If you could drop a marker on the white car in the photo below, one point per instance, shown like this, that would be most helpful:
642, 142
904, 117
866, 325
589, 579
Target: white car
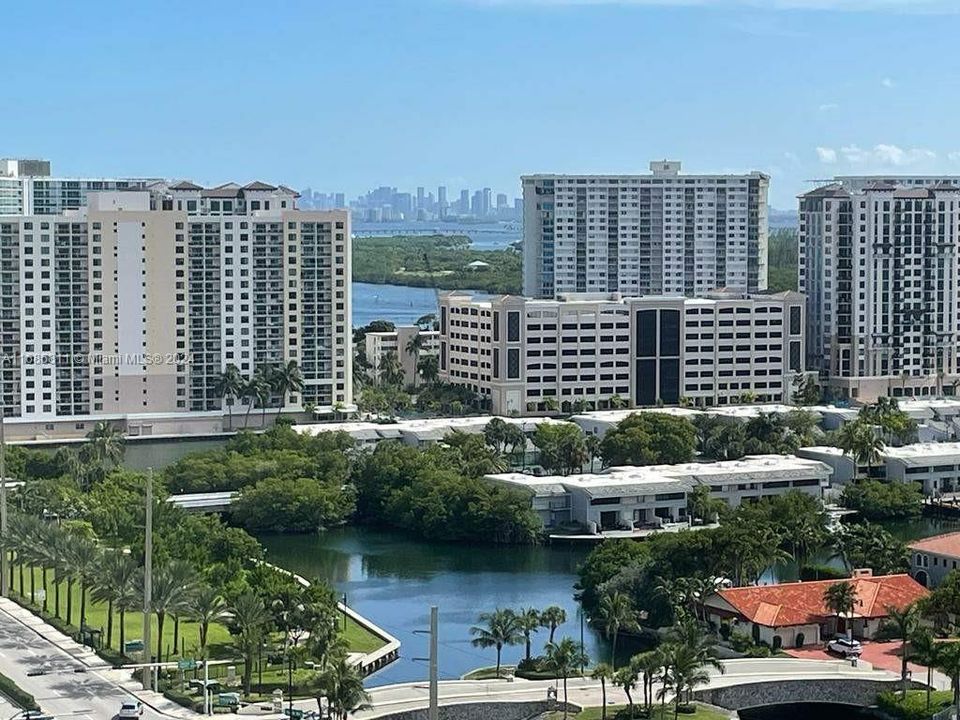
130, 710
845, 646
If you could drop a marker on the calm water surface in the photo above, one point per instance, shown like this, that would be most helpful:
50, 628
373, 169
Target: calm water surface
398, 304
394, 580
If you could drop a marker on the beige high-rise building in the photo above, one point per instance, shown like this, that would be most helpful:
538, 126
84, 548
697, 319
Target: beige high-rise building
131, 306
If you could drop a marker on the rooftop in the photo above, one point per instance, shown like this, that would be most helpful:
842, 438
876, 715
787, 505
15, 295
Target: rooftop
946, 544
801, 603
924, 453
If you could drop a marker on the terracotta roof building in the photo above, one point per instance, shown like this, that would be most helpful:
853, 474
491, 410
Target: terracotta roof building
933, 558
794, 614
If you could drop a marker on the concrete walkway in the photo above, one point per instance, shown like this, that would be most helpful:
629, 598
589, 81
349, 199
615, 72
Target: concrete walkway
586, 692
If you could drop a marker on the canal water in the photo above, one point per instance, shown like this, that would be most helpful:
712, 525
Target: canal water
394, 580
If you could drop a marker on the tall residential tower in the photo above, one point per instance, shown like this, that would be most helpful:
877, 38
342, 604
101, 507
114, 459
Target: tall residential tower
658, 234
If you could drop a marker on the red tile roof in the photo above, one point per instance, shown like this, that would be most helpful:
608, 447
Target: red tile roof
946, 544
801, 603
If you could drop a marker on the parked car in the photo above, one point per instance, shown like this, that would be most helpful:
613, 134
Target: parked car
847, 647
130, 710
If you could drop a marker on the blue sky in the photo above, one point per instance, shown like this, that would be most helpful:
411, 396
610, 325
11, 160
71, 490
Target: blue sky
344, 95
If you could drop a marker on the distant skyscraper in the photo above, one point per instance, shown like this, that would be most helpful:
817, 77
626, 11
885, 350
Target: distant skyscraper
340, 200
657, 234
421, 198
476, 204
486, 206
464, 208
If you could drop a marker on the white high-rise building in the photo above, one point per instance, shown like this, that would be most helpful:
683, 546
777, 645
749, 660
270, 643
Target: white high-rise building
134, 304
878, 265
658, 234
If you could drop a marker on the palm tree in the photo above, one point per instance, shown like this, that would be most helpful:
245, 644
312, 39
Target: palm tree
685, 671
616, 613
249, 622
228, 387
205, 605
840, 598
564, 658
256, 389
592, 443
47, 548
551, 405
924, 650
286, 379
947, 659
115, 584
647, 665
390, 369
172, 585
553, 617
528, 620
603, 672
859, 440
106, 444
617, 402
84, 560
626, 678
342, 685
904, 622
429, 368
500, 628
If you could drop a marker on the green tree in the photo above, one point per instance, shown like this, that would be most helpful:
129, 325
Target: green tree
553, 617
528, 620
603, 672
859, 440
428, 368
947, 659
342, 685
565, 658
84, 560
649, 438
228, 388
498, 629
106, 444
171, 589
115, 583
205, 606
292, 505
626, 678
390, 369
562, 447
249, 623
867, 545
903, 623
617, 614
255, 390
685, 670
284, 380
878, 500
924, 651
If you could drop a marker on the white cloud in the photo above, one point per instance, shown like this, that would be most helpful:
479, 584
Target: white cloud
827, 107
827, 155
888, 82
881, 155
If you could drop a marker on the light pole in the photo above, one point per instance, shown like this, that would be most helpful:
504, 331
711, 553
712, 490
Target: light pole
148, 580
434, 689
580, 613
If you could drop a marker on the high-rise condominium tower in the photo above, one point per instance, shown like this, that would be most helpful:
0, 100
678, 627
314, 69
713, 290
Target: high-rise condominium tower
138, 300
658, 234
878, 265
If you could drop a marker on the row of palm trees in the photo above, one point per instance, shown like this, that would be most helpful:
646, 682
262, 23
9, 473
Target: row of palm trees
267, 382
69, 561
504, 627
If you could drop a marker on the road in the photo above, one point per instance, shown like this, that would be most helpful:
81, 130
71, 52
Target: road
587, 692
92, 695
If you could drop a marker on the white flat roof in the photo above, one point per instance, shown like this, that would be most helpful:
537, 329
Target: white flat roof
422, 428
920, 454
823, 450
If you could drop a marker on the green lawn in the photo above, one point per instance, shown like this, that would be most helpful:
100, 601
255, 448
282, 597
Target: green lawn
219, 640
622, 712
915, 705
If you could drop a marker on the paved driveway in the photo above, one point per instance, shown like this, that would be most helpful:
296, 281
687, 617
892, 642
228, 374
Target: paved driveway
882, 655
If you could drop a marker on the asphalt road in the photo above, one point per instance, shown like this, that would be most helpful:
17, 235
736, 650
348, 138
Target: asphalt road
91, 695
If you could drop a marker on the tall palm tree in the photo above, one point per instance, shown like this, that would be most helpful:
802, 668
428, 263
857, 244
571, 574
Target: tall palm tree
286, 379
840, 598
528, 620
172, 585
904, 623
106, 444
342, 685
603, 672
685, 671
253, 391
924, 650
500, 628
390, 369
647, 665
205, 605
249, 622
115, 584
592, 443
84, 558
948, 660
429, 368
564, 658
616, 614
552, 618
47, 549
859, 440
228, 387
